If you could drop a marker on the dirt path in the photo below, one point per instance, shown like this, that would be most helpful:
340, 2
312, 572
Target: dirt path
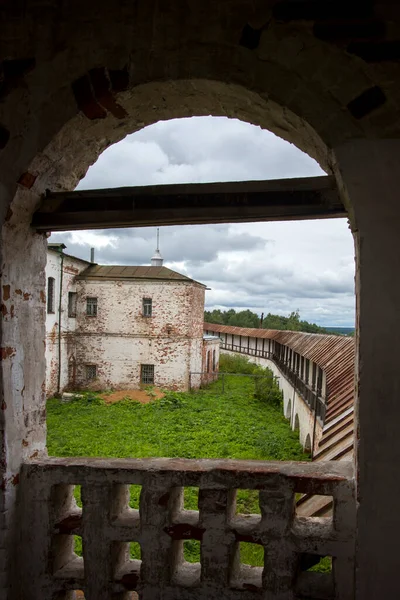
141, 396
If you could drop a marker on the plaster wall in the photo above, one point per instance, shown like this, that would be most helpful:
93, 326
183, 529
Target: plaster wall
60, 322
118, 359
120, 339
177, 308
22, 369
369, 173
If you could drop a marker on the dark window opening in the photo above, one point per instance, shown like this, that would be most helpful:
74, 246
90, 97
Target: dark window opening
314, 375
319, 381
91, 307
307, 373
213, 364
147, 307
50, 294
72, 304
147, 374
91, 372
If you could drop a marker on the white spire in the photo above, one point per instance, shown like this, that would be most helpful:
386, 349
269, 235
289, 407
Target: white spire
157, 259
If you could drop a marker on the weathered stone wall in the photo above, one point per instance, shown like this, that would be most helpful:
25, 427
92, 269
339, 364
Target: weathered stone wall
22, 403
160, 526
57, 323
119, 339
77, 79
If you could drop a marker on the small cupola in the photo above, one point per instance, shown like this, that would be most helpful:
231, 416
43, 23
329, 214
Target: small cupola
157, 260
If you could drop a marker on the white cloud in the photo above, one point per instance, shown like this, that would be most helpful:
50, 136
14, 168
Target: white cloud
269, 267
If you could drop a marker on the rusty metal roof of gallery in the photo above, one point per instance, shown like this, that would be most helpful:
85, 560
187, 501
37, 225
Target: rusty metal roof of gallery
336, 356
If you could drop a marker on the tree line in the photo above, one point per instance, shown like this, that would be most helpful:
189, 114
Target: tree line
247, 318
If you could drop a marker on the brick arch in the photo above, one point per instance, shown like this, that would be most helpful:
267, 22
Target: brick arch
112, 68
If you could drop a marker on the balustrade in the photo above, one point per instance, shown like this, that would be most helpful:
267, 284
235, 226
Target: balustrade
50, 520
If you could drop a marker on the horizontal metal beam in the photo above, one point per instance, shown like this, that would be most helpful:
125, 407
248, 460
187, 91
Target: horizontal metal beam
188, 204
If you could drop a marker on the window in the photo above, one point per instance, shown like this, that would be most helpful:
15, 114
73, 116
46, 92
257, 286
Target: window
91, 307
314, 375
147, 374
72, 304
214, 360
307, 370
50, 294
91, 372
147, 307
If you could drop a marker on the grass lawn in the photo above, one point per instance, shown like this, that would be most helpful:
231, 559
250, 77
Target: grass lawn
204, 424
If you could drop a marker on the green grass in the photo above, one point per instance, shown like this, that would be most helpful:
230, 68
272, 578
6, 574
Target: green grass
204, 424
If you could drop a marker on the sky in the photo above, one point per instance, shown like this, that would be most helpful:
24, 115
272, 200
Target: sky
272, 267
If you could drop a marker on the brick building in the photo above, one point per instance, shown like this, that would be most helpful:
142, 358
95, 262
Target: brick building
124, 326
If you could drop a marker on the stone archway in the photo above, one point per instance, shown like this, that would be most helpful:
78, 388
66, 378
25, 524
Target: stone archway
78, 79
288, 412
307, 444
296, 423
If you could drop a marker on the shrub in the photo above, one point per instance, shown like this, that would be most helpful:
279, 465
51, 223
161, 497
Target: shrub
229, 363
267, 390
172, 400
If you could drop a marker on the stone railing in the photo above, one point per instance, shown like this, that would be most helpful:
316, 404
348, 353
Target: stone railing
50, 519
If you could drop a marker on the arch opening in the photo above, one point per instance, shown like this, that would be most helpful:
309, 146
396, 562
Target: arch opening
289, 409
296, 425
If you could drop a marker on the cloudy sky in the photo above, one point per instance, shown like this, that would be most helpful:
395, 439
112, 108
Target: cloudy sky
266, 267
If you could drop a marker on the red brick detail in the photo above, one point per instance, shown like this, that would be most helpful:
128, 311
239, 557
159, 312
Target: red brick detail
6, 292
101, 86
85, 99
6, 352
27, 180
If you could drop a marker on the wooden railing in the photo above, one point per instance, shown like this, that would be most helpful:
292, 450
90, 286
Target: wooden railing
311, 397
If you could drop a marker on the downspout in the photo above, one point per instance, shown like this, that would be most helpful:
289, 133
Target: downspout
59, 324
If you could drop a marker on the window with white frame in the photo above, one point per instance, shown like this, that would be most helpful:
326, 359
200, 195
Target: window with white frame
91, 372
50, 294
147, 374
147, 307
72, 304
91, 307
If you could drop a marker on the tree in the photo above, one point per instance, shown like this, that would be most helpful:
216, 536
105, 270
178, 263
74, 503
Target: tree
247, 318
